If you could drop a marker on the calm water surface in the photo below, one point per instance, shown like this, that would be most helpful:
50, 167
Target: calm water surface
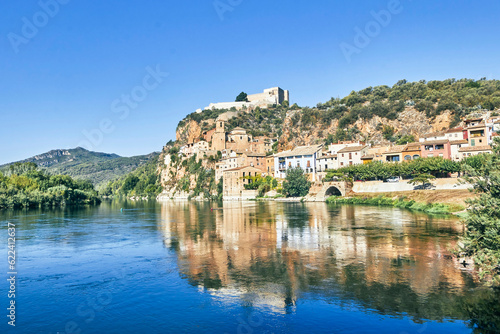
249, 268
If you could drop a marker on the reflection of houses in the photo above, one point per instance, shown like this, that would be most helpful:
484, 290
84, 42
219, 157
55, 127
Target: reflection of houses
270, 253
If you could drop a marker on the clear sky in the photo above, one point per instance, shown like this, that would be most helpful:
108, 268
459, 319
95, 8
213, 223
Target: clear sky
83, 67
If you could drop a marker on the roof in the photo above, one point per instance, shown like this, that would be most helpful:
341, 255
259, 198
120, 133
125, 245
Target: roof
238, 130
457, 142
352, 149
395, 149
300, 150
368, 156
433, 134
251, 154
328, 156
473, 120
435, 142
459, 129
240, 168
475, 148
413, 147
479, 126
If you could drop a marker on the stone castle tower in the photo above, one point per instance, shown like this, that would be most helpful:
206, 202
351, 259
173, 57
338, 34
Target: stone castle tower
219, 136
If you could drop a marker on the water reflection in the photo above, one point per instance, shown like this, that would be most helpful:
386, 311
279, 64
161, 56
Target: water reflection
276, 254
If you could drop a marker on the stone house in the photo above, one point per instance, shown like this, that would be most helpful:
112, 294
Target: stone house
235, 179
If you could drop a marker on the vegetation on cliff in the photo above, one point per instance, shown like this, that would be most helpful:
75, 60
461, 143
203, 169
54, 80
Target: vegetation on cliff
482, 237
24, 185
459, 98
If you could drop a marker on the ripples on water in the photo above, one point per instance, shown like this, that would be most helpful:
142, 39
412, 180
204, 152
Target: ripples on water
253, 267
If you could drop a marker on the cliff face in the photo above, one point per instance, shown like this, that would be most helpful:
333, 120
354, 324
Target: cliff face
190, 132
409, 122
184, 178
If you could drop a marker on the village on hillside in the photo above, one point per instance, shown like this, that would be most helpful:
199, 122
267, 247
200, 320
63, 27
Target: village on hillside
238, 156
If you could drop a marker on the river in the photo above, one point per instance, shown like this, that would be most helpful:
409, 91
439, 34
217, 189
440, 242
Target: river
250, 267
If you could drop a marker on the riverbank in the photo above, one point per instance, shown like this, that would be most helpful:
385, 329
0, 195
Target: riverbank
429, 201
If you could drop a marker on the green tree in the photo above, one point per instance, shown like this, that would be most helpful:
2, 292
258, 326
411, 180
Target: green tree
422, 179
242, 97
296, 183
405, 140
481, 240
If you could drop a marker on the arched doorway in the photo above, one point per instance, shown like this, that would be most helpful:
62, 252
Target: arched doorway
333, 191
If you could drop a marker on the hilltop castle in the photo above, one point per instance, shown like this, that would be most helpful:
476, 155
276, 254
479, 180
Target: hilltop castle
270, 96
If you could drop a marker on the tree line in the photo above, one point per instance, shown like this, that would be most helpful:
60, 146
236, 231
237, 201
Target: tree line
24, 185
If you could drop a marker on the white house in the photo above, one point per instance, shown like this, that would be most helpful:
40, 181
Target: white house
304, 157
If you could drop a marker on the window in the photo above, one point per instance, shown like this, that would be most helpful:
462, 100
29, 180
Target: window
350, 155
416, 156
407, 157
342, 164
441, 155
308, 163
430, 155
243, 174
342, 155
439, 147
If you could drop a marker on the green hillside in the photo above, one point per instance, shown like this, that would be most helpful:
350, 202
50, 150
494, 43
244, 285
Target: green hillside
79, 163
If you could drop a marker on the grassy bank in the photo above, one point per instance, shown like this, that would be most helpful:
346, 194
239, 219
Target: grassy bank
398, 202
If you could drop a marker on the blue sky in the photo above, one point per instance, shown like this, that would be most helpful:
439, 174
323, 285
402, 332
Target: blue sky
62, 80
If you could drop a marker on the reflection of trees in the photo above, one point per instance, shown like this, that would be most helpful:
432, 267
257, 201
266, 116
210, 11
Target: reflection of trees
387, 260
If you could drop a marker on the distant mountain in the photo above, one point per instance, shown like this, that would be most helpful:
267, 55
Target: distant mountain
100, 168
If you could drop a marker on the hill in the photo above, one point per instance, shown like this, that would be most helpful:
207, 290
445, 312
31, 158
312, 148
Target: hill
97, 167
377, 115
